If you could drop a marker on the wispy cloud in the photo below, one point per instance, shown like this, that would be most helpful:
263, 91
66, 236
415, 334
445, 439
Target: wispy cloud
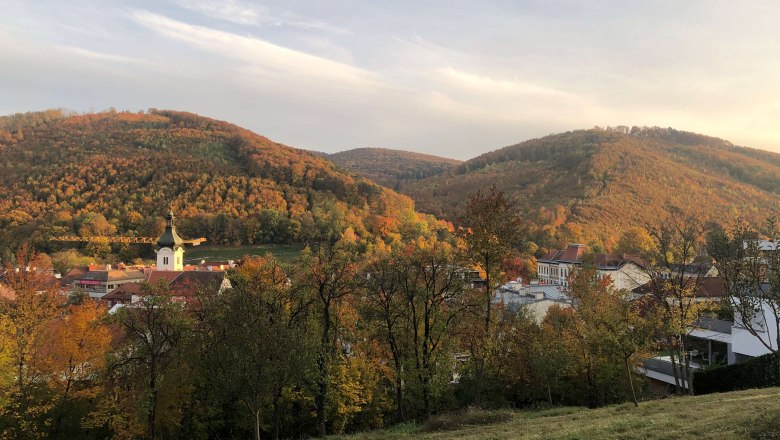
259, 55
251, 14
99, 56
487, 84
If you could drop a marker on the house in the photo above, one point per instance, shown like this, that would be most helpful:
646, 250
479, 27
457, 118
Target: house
99, 280
534, 297
713, 341
624, 270
555, 267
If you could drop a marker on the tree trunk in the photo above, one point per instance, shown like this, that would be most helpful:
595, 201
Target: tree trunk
549, 393
631, 382
277, 415
675, 372
322, 364
151, 415
257, 425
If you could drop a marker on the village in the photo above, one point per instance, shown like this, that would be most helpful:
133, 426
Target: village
710, 341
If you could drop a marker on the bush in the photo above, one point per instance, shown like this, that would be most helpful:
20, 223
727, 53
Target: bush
759, 372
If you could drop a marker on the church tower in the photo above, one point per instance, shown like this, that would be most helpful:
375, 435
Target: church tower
170, 247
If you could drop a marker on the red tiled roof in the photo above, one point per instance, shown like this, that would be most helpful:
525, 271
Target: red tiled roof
617, 260
124, 292
167, 275
573, 253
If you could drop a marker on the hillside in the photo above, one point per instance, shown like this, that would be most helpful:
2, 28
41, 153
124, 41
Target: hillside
59, 173
588, 185
738, 415
391, 167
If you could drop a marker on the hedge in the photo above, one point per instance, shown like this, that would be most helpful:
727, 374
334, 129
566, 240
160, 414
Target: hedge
759, 372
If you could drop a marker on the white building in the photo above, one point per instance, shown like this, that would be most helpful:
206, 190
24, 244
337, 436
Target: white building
535, 298
170, 247
625, 271
555, 267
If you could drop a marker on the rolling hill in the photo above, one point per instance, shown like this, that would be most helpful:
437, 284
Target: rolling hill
391, 168
588, 185
62, 173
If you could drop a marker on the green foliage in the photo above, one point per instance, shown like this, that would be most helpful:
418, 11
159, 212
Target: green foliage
758, 372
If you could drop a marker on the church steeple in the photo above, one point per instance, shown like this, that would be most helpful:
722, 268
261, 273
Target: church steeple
170, 247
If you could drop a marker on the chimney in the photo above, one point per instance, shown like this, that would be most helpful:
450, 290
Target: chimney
539, 296
108, 267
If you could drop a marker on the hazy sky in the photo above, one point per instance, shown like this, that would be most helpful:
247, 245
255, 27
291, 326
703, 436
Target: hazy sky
453, 78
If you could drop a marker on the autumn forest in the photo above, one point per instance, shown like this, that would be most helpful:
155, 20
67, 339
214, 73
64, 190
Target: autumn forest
388, 315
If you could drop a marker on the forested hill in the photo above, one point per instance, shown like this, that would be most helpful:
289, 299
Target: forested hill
61, 173
589, 185
391, 167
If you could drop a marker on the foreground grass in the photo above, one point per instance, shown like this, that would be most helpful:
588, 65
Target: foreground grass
284, 252
753, 414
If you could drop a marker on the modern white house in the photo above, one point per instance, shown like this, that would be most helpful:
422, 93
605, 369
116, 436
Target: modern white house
719, 342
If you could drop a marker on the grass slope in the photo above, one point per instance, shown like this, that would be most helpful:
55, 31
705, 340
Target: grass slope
284, 252
736, 415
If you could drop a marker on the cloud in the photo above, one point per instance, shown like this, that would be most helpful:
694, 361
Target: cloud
98, 56
259, 56
255, 15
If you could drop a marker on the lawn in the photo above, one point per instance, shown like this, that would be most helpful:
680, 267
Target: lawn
737, 415
284, 252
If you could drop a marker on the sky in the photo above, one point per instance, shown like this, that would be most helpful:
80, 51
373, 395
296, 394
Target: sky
452, 78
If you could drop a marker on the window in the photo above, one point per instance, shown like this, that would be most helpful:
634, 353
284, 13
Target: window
165, 260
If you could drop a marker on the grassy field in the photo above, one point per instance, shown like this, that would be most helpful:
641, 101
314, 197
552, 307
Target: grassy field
284, 252
753, 414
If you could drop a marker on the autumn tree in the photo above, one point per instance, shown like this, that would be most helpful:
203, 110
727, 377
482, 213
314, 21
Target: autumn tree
74, 355
677, 269
436, 298
259, 341
385, 305
751, 274
28, 307
330, 278
155, 329
616, 324
635, 241
492, 229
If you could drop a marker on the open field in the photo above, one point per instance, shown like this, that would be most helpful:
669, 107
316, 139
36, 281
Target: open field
284, 252
738, 415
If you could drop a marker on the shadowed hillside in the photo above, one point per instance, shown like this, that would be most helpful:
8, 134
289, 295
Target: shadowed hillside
391, 167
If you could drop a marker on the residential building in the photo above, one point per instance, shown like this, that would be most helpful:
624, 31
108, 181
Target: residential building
534, 297
555, 267
99, 280
624, 270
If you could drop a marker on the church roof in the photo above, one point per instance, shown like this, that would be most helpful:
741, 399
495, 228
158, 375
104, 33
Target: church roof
170, 238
